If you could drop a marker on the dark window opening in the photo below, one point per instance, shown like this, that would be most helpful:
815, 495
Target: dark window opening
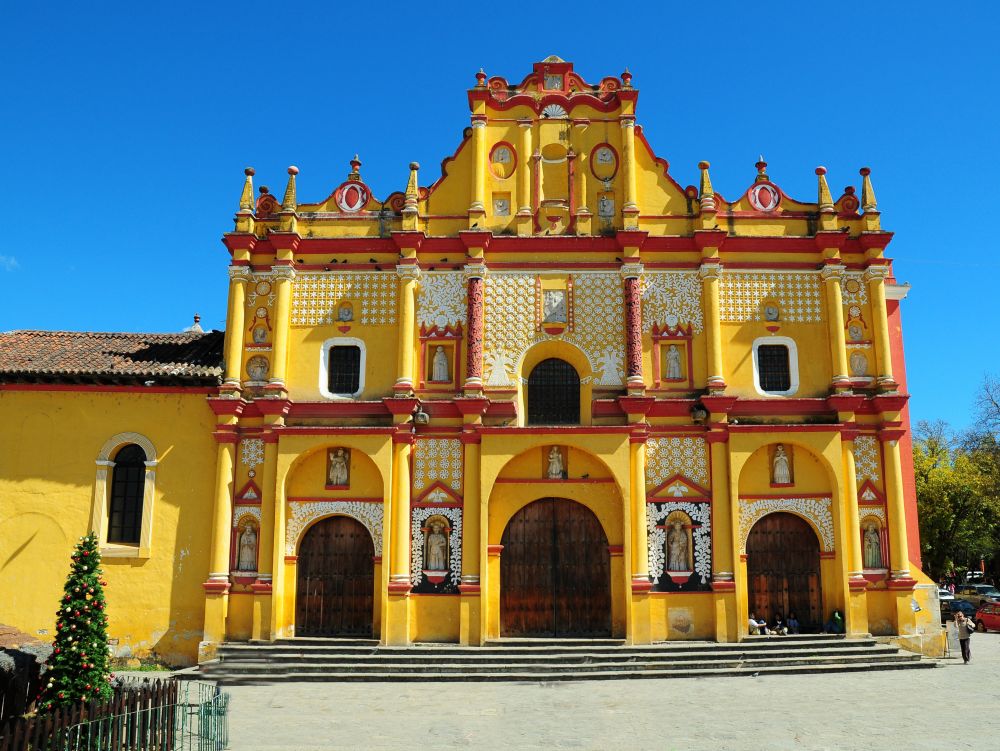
345, 369
773, 367
128, 485
553, 394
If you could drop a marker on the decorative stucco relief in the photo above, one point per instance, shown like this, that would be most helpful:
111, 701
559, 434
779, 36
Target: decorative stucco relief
303, 513
441, 299
799, 295
877, 511
437, 460
853, 290
676, 455
315, 297
701, 514
816, 510
598, 325
866, 458
671, 298
241, 512
418, 522
252, 452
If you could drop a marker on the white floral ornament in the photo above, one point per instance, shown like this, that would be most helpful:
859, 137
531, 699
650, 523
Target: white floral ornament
799, 294
676, 455
418, 522
866, 458
437, 460
315, 297
303, 513
815, 510
700, 514
671, 298
441, 299
252, 452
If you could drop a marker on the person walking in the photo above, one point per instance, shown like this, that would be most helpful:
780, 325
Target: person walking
965, 628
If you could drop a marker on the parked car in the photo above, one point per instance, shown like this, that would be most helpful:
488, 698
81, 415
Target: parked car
945, 595
988, 618
948, 612
977, 594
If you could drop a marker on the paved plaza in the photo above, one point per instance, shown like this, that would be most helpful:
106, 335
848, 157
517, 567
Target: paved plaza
954, 707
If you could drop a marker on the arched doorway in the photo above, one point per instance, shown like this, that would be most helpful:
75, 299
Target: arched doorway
783, 574
555, 572
553, 393
336, 578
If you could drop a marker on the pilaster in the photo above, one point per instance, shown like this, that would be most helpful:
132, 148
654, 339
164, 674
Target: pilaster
874, 277
239, 275
283, 275
832, 275
710, 271
630, 210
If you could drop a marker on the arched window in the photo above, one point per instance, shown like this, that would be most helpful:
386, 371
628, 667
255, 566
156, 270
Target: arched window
553, 394
128, 480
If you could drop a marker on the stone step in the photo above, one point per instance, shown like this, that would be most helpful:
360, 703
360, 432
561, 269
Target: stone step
410, 657
266, 678
471, 668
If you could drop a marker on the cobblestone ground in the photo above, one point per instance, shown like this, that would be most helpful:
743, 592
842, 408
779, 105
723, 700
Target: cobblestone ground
952, 707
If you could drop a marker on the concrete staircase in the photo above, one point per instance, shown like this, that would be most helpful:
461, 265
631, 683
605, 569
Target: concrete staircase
314, 659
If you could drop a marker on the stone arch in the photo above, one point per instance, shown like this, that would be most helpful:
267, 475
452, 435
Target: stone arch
121, 439
818, 515
361, 450
304, 515
554, 348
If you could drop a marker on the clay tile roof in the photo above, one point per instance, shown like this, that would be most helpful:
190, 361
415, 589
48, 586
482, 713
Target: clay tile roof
85, 357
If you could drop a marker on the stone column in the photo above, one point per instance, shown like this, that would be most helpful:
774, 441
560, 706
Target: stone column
471, 608
639, 617
217, 585
283, 276
397, 615
630, 211
235, 323
475, 294
896, 507
852, 529
524, 178
263, 587
408, 273
477, 208
710, 273
633, 327
875, 278
832, 275
723, 555
579, 126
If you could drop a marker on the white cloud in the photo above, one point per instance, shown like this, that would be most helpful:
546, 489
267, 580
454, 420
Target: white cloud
8, 263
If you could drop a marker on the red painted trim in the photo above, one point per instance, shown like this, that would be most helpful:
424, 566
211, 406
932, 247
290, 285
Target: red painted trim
313, 499
684, 480
213, 390
640, 587
214, 587
261, 588
469, 589
616, 550
494, 549
558, 430
729, 586
399, 588
787, 495
828, 555
291, 559
833, 428
332, 430
438, 485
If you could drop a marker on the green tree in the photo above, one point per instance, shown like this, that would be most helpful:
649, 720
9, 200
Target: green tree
957, 497
79, 666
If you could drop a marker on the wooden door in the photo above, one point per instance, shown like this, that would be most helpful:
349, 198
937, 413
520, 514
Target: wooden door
336, 579
555, 572
783, 570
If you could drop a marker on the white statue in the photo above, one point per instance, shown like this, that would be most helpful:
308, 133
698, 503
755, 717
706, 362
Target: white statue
439, 369
436, 554
247, 560
771, 313
555, 471
604, 156
855, 332
338, 468
554, 306
677, 548
345, 313
259, 335
501, 207
872, 548
859, 364
502, 155
673, 363
257, 368
605, 207
782, 471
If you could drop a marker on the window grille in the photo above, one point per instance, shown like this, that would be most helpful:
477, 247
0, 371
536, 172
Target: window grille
773, 368
345, 369
553, 394
128, 485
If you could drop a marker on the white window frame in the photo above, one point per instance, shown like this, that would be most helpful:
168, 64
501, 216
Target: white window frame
102, 502
793, 365
324, 367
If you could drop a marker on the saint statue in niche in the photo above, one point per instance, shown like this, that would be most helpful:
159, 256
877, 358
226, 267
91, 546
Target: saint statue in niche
859, 364
677, 547
439, 366
554, 306
501, 207
345, 312
338, 473
436, 548
771, 313
257, 368
872, 550
673, 363
605, 156
605, 207
781, 470
556, 467
502, 155
247, 560
855, 332
259, 335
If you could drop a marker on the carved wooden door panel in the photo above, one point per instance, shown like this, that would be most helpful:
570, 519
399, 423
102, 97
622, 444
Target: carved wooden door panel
783, 570
555, 572
336, 571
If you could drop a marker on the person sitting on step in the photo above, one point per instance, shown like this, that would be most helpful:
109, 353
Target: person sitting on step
757, 628
793, 623
780, 627
836, 623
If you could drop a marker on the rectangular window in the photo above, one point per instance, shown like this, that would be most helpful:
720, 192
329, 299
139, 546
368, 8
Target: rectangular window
345, 369
773, 368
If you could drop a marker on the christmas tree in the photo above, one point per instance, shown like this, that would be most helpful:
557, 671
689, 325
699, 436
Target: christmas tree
78, 668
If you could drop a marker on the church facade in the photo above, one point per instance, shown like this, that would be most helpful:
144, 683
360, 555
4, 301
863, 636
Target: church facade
553, 393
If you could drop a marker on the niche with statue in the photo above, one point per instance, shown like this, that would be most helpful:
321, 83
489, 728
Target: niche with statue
436, 555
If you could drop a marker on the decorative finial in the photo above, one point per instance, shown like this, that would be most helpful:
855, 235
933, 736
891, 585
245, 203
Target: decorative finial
481, 78
288, 204
761, 166
246, 197
868, 203
412, 191
195, 328
825, 198
705, 188
626, 78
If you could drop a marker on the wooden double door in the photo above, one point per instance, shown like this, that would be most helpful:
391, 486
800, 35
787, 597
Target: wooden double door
555, 572
783, 573
336, 579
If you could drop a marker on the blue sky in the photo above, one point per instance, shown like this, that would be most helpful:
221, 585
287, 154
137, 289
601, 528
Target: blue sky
125, 131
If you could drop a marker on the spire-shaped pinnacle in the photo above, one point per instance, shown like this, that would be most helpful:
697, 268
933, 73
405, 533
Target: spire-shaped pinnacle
705, 189
355, 173
412, 194
246, 197
289, 204
868, 203
481, 79
825, 197
761, 166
